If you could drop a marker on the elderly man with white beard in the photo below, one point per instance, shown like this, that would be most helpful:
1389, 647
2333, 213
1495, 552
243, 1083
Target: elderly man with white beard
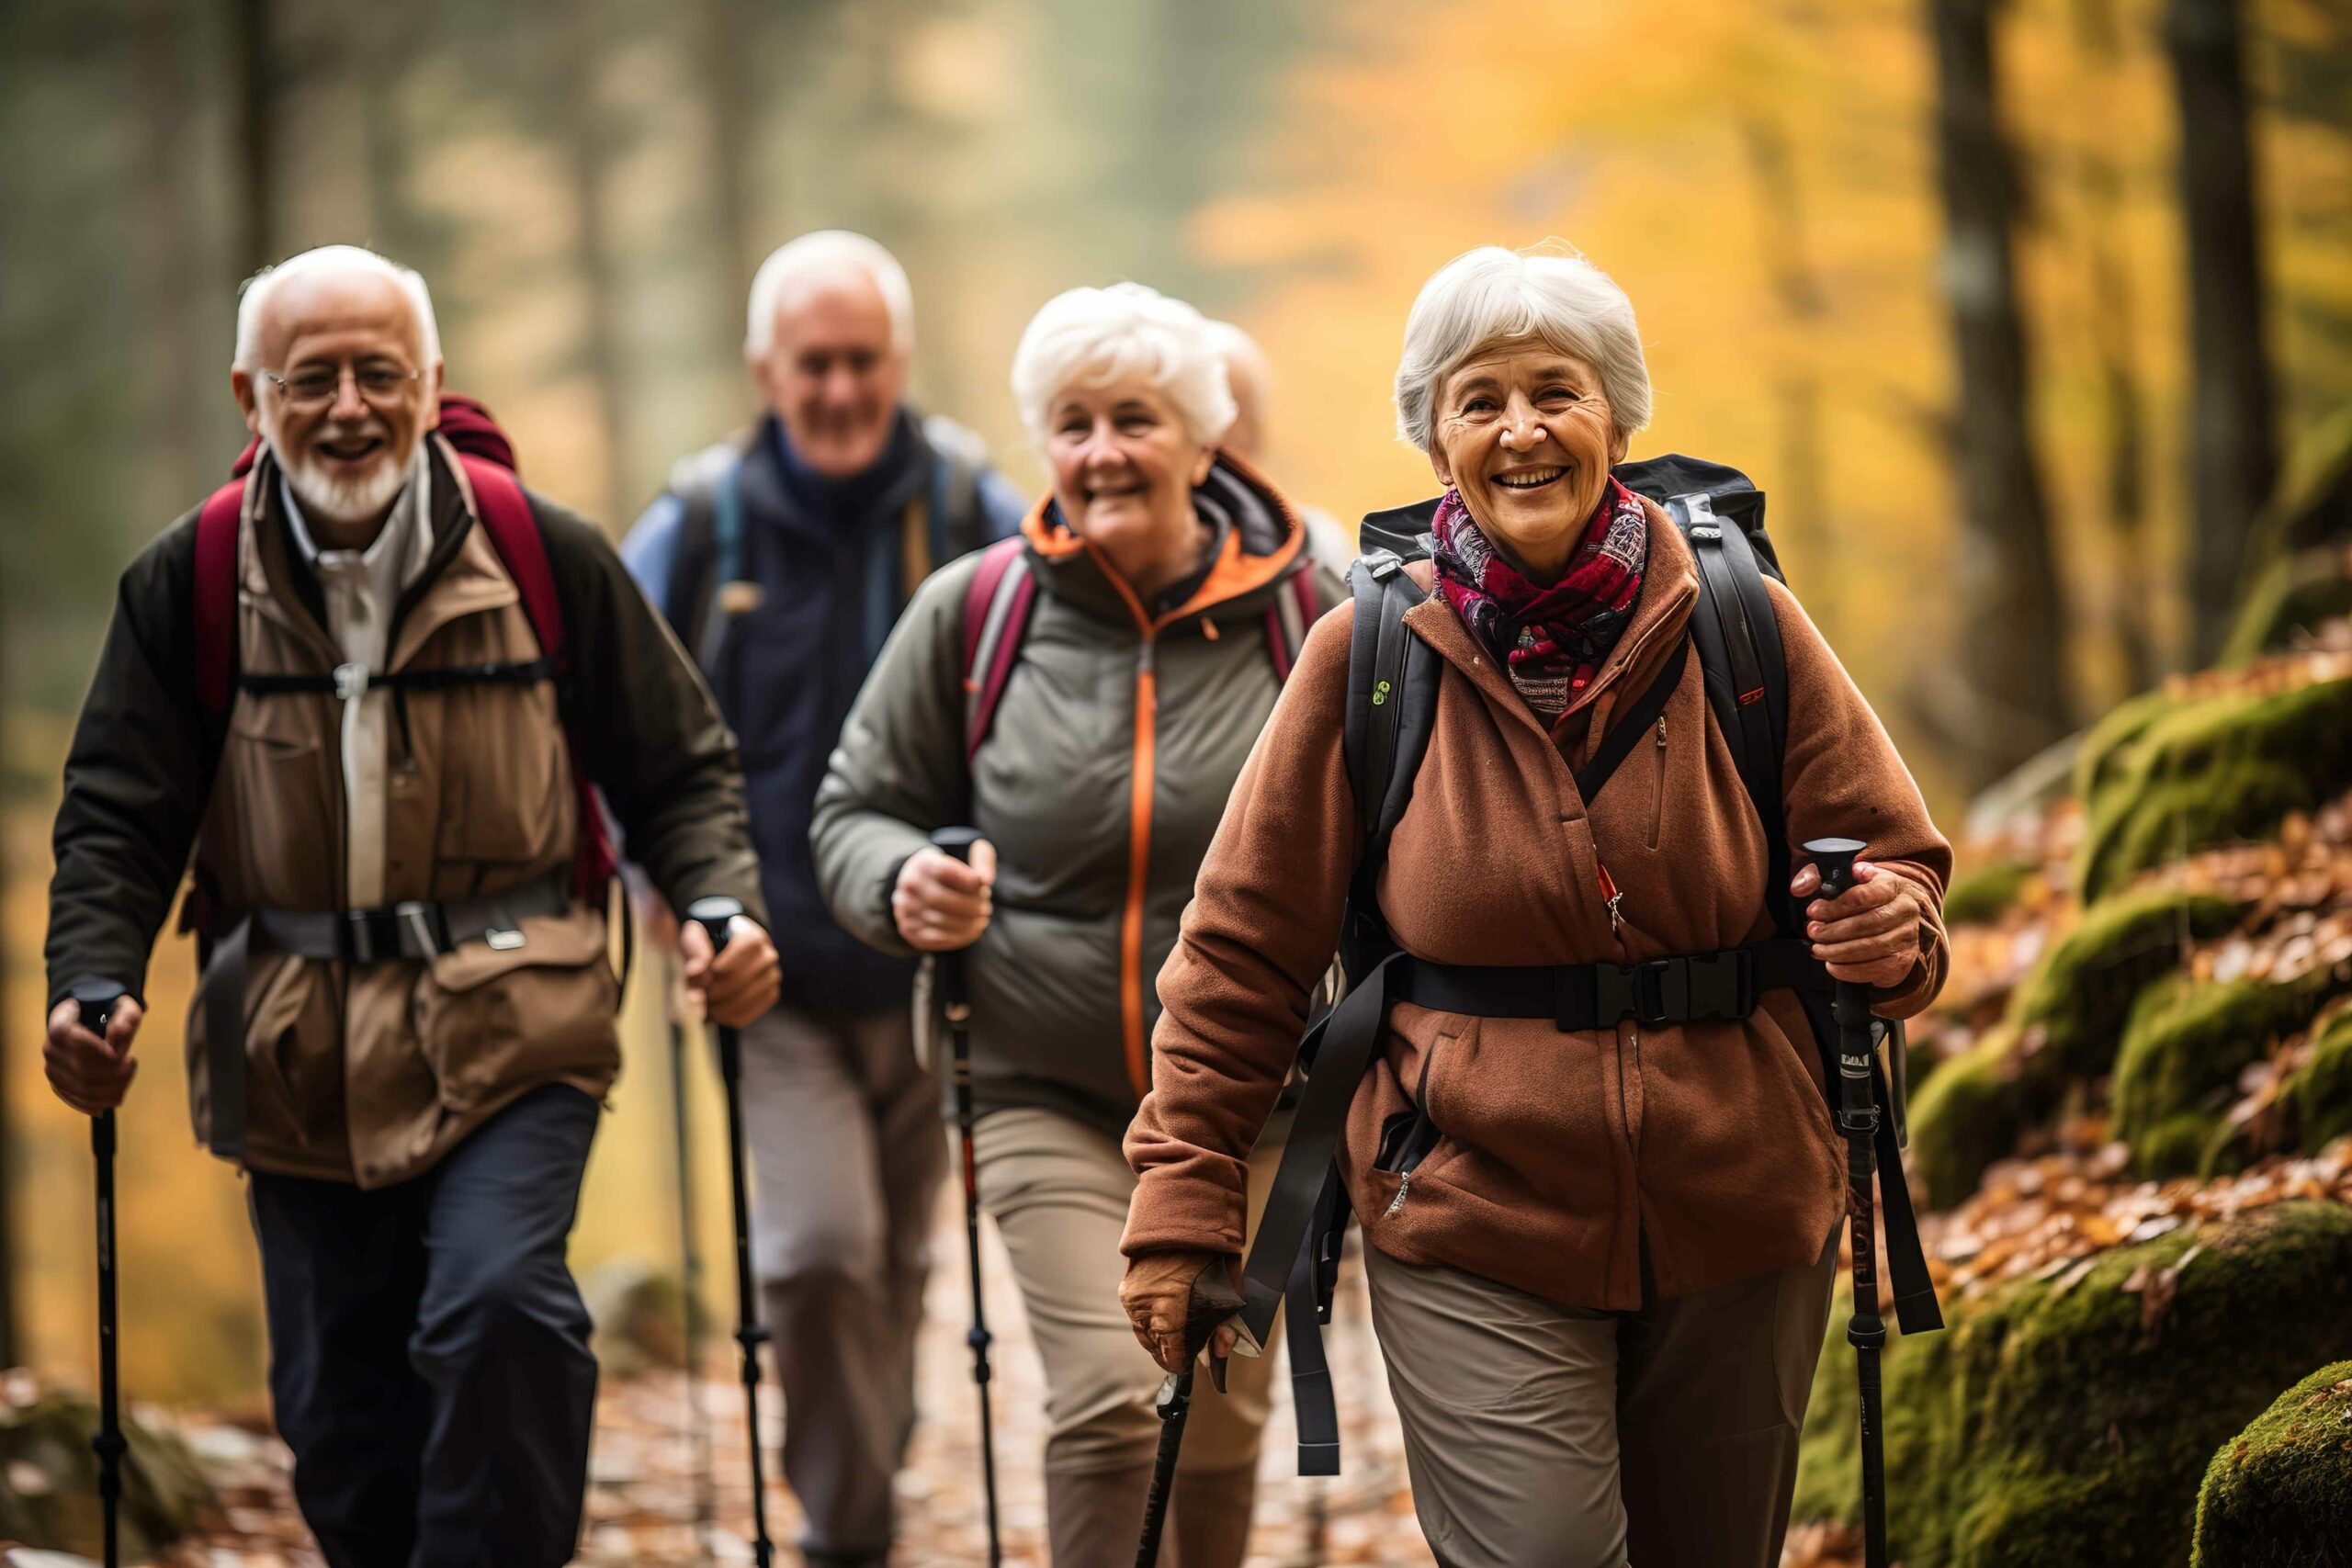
369, 688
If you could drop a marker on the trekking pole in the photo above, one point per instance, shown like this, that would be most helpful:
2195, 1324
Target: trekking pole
1858, 1117
957, 996
97, 999
690, 1274
714, 915
1213, 1300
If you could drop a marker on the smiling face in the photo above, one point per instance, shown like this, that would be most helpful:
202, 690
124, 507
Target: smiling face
834, 375
1525, 434
347, 454
1124, 467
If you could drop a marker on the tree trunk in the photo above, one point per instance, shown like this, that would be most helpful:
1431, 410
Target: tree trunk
588, 142
725, 66
253, 60
2114, 326
2012, 632
1805, 502
2232, 445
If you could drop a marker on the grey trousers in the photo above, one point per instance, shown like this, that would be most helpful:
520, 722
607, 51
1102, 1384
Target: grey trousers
847, 1153
1538, 1433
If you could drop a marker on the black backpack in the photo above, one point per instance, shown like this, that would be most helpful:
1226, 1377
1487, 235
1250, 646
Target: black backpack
1391, 704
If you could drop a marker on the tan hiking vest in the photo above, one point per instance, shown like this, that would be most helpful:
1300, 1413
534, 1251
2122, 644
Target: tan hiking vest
370, 1071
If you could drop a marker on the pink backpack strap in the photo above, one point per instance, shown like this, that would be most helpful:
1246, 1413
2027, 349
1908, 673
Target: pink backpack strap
216, 594
1294, 612
506, 514
995, 615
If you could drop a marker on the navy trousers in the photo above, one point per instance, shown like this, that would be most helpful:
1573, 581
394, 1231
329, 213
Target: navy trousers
429, 1359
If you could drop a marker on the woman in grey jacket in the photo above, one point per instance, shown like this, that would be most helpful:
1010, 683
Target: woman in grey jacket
1167, 601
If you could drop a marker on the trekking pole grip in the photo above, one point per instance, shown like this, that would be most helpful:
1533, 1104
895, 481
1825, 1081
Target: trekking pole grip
1857, 1105
716, 916
955, 999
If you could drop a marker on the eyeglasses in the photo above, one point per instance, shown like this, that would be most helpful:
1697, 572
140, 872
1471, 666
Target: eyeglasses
379, 383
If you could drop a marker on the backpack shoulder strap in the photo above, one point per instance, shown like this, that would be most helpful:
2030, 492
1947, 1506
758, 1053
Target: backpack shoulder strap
1392, 703
215, 608
957, 526
1296, 607
709, 489
1738, 636
1631, 725
996, 616
506, 516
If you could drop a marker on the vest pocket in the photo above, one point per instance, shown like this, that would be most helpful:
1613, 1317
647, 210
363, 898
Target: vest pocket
489, 1022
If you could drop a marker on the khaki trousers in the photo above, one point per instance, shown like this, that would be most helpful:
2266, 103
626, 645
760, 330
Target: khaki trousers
847, 1156
1058, 1191
1538, 1433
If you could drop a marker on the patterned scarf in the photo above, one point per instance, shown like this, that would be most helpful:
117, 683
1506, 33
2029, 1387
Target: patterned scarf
1550, 640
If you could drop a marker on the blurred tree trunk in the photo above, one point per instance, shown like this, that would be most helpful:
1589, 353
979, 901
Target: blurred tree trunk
588, 144
724, 69
1797, 288
11, 1347
170, 339
2233, 449
2012, 666
2114, 326
253, 60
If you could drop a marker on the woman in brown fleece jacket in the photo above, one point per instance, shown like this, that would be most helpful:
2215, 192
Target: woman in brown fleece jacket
1601, 1288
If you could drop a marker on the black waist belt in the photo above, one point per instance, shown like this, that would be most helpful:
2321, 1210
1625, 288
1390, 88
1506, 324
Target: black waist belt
1294, 1255
416, 930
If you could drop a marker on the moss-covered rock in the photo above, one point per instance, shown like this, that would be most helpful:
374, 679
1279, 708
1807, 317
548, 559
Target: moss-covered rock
2182, 1052
2320, 1094
1984, 896
2213, 770
2106, 749
1965, 1117
48, 1480
2280, 1494
2291, 595
2067, 1421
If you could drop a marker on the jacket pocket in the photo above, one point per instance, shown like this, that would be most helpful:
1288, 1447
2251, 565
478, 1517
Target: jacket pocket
1657, 799
490, 1022
505, 795
1408, 1137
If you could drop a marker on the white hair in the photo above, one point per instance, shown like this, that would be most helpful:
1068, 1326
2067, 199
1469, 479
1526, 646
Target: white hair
1490, 296
825, 253
254, 298
1094, 337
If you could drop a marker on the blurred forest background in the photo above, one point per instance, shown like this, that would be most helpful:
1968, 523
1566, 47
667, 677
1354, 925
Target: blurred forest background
2019, 311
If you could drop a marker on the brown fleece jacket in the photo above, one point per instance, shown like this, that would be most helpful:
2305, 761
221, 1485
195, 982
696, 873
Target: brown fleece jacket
1562, 1154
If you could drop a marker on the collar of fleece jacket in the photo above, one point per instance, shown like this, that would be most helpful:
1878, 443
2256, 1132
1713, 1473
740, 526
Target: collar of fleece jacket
1261, 541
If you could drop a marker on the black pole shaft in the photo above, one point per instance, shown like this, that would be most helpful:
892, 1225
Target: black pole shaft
955, 998
714, 915
96, 1000
1175, 1409
690, 1281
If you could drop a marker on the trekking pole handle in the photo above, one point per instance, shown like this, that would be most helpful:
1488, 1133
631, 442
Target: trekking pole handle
1835, 860
1858, 1112
716, 916
97, 998
956, 843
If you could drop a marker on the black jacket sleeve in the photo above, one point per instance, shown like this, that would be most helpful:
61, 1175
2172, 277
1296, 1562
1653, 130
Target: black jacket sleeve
136, 778
649, 733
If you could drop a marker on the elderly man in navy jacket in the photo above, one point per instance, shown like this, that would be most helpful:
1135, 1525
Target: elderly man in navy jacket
782, 560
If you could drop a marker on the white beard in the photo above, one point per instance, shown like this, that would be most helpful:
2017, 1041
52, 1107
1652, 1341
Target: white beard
349, 502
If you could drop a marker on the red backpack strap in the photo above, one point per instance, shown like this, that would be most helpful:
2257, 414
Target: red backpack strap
996, 613
1296, 607
216, 595
506, 514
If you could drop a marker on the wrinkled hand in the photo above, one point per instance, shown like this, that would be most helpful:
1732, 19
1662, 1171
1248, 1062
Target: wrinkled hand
940, 904
1870, 933
742, 982
1157, 1296
89, 1074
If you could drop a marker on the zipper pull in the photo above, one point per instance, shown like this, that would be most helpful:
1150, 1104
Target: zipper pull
1402, 1187
1661, 732
1208, 629
1609, 891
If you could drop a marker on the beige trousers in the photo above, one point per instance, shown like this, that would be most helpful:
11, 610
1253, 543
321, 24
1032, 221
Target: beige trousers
1538, 1433
1058, 1191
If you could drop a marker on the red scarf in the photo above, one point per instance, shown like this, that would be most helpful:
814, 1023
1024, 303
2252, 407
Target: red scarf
1550, 639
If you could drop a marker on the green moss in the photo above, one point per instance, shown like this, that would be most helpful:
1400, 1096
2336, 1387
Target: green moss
2210, 771
2082, 993
2320, 1094
1985, 894
2182, 1052
2280, 1494
48, 1480
2106, 750
1965, 1117
2061, 1422
2292, 594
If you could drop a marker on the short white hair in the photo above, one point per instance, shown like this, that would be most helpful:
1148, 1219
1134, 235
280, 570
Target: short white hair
254, 298
1491, 296
828, 253
1094, 337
